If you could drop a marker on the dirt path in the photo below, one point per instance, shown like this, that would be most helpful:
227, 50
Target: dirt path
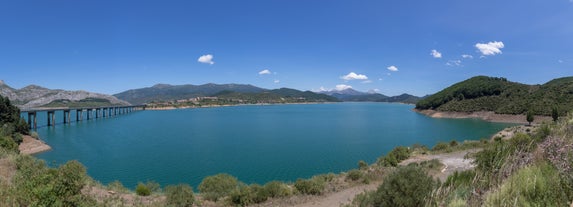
339, 198
452, 162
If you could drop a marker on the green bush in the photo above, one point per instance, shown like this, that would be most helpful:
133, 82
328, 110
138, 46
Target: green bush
394, 157
407, 186
179, 195
242, 195
142, 190
537, 185
441, 146
354, 175
313, 186
362, 165
277, 189
37, 185
217, 186
153, 186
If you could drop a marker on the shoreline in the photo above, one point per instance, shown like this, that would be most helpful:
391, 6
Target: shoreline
489, 116
30, 146
229, 105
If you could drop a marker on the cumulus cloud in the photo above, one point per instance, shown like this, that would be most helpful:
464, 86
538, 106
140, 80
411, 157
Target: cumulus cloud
264, 72
374, 91
490, 48
354, 76
465, 56
277, 81
436, 54
392, 68
342, 87
208, 59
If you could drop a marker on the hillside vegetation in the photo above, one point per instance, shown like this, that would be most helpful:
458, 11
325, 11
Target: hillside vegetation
483, 93
226, 94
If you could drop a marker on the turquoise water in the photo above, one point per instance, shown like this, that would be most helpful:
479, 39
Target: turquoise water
257, 144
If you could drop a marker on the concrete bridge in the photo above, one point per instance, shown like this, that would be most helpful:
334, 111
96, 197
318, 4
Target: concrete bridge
91, 113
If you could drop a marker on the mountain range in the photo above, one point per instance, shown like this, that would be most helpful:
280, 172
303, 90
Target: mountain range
357, 96
34, 96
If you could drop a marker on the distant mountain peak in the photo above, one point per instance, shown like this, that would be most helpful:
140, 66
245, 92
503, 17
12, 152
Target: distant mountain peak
161, 85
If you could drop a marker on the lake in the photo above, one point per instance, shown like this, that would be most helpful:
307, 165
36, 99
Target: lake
256, 144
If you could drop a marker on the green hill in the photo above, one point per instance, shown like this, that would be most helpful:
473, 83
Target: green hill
483, 93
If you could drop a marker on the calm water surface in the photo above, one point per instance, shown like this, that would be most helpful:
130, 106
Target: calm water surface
257, 144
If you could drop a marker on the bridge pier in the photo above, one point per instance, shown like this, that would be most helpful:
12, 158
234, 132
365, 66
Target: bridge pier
97, 112
67, 116
51, 118
89, 113
33, 123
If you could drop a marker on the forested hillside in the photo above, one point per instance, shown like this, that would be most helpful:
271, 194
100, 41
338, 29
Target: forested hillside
483, 93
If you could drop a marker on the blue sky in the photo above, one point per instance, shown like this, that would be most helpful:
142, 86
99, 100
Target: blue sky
112, 46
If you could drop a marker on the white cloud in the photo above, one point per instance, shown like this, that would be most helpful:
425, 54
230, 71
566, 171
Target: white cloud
490, 48
436, 54
322, 88
454, 63
342, 87
374, 90
467, 56
354, 76
265, 72
367, 81
206, 59
392, 68
277, 81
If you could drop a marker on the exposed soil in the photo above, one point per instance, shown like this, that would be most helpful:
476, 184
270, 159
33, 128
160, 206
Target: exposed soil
453, 162
484, 115
31, 145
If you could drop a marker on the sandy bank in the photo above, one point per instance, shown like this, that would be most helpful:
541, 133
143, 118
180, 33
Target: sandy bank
32, 146
484, 115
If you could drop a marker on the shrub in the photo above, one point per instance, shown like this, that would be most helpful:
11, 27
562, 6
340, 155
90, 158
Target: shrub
362, 165
142, 190
217, 186
311, 186
37, 185
460, 178
441, 146
394, 157
153, 186
407, 186
354, 175
453, 143
277, 189
179, 195
537, 185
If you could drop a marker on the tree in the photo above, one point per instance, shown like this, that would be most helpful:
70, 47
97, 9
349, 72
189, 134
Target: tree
555, 113
529, 116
